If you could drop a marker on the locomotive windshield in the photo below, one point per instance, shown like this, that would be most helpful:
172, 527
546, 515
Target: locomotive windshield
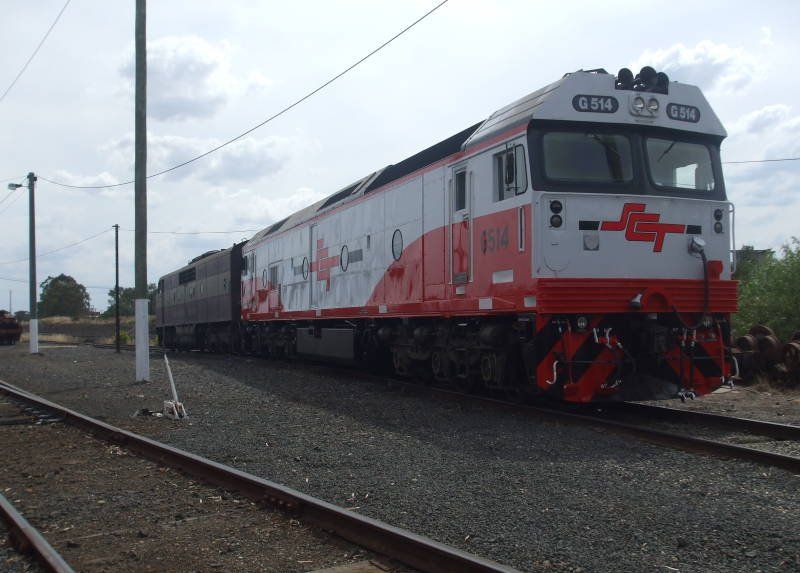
590, 157
679, 164
635, 160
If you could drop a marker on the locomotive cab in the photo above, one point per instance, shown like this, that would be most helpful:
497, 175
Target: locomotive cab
632, 243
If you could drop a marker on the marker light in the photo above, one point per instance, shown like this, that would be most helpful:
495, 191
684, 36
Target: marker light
718, 214
556, 221
556, 207
717, 227
582, 322
638, 104
652, 105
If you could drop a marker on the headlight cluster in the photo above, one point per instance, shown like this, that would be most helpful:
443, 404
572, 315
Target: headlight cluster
556, 220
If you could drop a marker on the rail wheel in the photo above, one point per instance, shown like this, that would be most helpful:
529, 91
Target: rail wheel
760, 331
791, 356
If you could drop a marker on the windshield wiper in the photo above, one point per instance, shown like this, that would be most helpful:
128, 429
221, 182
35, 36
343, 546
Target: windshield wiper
667, 150
604, 143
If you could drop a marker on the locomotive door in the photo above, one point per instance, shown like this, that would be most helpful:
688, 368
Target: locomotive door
460, 207
313, 295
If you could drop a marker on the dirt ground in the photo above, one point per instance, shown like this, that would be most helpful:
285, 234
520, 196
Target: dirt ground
761, 401
106, 510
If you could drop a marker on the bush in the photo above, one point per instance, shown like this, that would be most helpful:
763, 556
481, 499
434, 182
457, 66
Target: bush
769, 294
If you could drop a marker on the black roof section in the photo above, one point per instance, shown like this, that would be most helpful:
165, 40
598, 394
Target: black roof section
336, 197
425, 157
204, 255
275, 226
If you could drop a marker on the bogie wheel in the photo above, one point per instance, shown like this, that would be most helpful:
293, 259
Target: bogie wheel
760, 331
747, 343
791, 356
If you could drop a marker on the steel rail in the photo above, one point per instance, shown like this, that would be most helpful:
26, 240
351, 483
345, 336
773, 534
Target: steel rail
775, 430
673, 440
414, 550
27, 539
558, 414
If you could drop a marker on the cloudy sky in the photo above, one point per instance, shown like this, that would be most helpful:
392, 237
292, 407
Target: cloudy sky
218, 68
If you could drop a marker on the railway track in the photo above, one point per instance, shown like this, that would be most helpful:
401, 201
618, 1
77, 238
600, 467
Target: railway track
402, 546
620, 418
639, 420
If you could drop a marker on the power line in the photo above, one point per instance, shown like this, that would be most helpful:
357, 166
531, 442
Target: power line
84, 286
17, 194
762, 160
269, 119
235, 231
65, 247
36, 51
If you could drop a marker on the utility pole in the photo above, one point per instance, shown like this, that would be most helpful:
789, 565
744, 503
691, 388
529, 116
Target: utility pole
116, 283
140, 191
33, 329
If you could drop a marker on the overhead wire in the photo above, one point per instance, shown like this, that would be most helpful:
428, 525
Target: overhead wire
84, 286
762, 160
17, 194
233, 232
270, 118
59, 249
36, 51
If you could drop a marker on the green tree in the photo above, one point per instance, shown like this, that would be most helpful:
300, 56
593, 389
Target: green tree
127, 296
769, 293
63, 296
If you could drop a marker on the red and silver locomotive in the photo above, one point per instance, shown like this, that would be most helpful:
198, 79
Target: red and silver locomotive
577, 244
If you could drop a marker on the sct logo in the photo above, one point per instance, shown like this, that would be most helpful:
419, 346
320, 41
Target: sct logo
641, 226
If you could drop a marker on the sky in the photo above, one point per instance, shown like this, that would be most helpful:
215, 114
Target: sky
219, 68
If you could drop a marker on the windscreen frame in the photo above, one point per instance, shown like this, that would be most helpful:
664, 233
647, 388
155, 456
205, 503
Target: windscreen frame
642, 182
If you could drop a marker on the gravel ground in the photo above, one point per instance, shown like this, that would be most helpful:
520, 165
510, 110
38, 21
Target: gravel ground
105, 510
760, 402
10, 560
533, 494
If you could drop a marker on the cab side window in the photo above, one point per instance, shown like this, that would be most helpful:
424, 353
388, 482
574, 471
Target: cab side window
510, 174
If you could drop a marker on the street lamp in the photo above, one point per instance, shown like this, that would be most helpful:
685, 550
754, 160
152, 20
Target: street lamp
34, 322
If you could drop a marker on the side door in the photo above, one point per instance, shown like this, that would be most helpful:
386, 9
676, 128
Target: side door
313, 295
460, 225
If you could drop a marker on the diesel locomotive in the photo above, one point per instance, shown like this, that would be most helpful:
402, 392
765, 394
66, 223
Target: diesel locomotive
576, 244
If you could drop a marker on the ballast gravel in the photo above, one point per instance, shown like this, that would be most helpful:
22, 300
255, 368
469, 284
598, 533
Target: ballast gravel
533, 494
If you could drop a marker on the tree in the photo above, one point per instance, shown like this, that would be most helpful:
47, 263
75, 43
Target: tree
127, 296
63, 296
769, 294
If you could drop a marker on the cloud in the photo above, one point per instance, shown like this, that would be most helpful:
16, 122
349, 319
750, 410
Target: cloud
247, 159
773, 117
189, 77
708, 65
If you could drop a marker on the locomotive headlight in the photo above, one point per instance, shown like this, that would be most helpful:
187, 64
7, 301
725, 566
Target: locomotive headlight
652, 105
582, 322
556, 221
707, 321
718, 214
638, 104
717, 227
556, 207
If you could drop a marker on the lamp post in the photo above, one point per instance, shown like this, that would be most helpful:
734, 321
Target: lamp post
33, 287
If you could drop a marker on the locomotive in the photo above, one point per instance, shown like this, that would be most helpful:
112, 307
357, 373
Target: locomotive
10, 329
575, 244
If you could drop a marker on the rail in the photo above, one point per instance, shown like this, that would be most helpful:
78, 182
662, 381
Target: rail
418, 552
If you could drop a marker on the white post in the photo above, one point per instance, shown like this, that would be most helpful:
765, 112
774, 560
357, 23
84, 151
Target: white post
33, 332
171, 380
142, 340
